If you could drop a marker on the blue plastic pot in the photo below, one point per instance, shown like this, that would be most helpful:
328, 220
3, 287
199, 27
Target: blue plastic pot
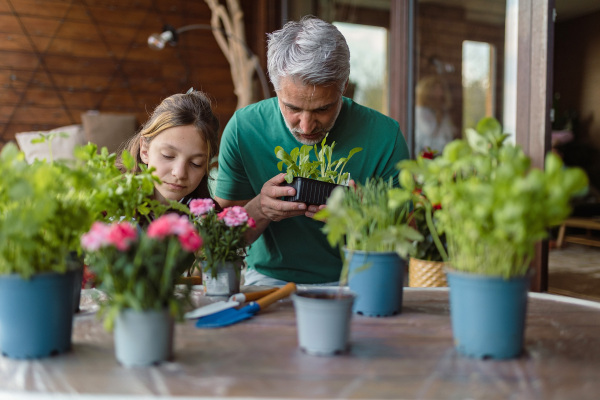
143, 338
75, 263
377, 278
488, 314
36, 315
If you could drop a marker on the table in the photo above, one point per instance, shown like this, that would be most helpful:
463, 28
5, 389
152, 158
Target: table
407, 356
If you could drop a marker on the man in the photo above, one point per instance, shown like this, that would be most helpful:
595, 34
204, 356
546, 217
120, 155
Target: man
309, 66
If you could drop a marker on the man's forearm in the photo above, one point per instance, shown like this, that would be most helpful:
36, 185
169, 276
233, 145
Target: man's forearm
262, 221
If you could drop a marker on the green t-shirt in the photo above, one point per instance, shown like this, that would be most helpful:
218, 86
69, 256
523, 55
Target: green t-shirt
295, 249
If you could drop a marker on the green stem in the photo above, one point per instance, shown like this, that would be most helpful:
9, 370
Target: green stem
434, 235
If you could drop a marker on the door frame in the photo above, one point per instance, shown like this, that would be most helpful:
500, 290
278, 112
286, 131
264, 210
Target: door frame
533, 91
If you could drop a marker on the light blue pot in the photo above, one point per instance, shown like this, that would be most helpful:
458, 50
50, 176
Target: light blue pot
143, 338
377, 279
36, 315
323, 319
488, 314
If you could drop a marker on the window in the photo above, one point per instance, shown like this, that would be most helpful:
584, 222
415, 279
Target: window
368, 64
478, 81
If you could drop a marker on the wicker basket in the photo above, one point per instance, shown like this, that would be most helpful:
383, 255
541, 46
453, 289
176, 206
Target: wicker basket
424, 273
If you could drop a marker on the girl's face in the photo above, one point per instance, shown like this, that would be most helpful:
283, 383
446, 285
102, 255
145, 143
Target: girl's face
179, 155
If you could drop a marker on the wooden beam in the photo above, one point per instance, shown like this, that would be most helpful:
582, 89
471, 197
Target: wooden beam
401, 67
534, 97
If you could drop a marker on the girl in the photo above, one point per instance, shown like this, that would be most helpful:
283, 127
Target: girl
180, 140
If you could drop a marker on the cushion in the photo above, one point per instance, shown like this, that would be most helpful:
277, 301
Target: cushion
108, 130
62, 147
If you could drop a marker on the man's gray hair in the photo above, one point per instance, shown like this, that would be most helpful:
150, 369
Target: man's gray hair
310, 50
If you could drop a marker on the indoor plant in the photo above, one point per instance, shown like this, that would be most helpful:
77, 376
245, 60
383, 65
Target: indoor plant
137, 269
43, 211
426, 265
495, 207
313, 179
224, 247
376, 238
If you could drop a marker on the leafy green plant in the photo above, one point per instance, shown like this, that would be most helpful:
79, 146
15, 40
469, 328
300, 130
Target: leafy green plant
48, 138
424, 218
494, 205
124, 195
136, 267
324, 168
44, 208
365, 219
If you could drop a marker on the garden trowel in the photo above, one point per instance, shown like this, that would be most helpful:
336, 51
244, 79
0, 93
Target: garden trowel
233, 315
233, 301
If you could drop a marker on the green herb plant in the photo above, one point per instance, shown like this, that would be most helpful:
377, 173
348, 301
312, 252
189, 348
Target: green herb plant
48, 138
324, 168
123, 195
365, 219
494, 205
424, 216
44, 210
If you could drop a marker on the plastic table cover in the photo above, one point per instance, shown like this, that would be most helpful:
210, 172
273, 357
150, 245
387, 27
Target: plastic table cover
409, 355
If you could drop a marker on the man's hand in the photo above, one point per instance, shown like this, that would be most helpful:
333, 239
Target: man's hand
271, 205
268, 206
312, 210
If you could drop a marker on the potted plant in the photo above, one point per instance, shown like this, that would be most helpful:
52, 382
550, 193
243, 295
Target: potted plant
137, 268
43, 211
120, 194
224, 247
314, 180
426, 267
495, 208
376, 238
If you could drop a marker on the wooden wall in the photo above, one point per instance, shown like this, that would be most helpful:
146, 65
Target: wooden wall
60, 58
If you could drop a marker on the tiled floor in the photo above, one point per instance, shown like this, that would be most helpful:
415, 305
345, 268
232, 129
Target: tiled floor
574, 270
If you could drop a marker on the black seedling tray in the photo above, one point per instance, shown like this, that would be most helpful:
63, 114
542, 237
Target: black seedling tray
310, 191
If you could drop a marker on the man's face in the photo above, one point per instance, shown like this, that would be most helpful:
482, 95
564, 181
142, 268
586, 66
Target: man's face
309, 111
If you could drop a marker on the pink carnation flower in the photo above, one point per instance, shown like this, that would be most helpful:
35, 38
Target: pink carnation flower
180, 224
201, 206
162, 226
234, 216
121, 235
251, 222
190, 241
96, 237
